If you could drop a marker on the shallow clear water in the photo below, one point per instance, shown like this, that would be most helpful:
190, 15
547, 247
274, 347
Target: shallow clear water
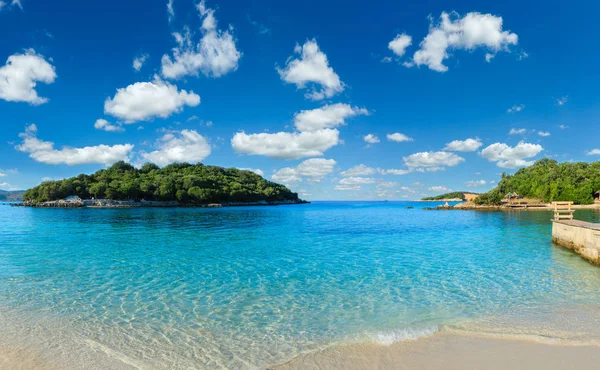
254, 286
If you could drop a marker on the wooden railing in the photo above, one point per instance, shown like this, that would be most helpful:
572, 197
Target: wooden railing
563, 210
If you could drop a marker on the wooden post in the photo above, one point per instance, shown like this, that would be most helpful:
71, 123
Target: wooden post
563, 210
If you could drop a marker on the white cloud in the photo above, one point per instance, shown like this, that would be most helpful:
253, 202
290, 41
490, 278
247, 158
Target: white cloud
468, 145
2, 174
286, 145
215, 54
563, 127
145, 100
439, 189
517, 131
398, 137
543, 133
371, 139
347, 187
5, 185
257, 171
515, 108
313, 170
2, 5
184, 146
467, 33
399, 44
44, 152
593, 152
170, 10
562, 100
354, 180
359, 170
387, 185
102, 124
328, 116
489, 57
353, 183
392, 171
312, 67
475, 183
138, 62
433, 159
20, 75
17, 3
511, 157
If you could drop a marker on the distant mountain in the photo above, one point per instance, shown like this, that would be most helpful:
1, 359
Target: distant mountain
11, 196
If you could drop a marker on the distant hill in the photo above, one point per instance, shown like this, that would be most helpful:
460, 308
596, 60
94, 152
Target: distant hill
11, 196
453, 195
182, 182
549, 181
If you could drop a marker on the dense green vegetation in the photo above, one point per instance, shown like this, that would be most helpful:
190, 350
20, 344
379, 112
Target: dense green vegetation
549, 181
11, 196
453, 195
183, 182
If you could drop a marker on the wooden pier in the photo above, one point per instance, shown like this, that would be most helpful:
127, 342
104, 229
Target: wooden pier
580, 236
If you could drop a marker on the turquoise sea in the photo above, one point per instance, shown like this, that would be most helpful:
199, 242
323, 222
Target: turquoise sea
252, 287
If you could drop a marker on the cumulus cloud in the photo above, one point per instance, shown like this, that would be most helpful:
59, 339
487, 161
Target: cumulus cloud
371, 139
138, 62
517, 131
515, 108
184, 146
44, 152
439, 189
452, 32
20, 75
593, 152
475, 183
312, 170
399, 44
511, 157
286, 145
359, 170
398, 137
143, 101
543, 133
312, 67
328, 116
102, 124
435, 160
214, 55
353, 183
468, 145
355, 180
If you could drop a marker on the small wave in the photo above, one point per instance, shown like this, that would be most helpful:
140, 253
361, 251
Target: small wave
388, 338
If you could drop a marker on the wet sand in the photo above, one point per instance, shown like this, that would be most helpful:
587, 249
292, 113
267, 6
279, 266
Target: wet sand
451, 351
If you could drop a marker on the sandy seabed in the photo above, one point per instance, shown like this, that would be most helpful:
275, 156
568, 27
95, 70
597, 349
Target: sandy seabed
451, 351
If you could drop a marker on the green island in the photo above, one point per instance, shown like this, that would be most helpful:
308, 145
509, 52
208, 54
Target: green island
538, 185
548, 181
176, 184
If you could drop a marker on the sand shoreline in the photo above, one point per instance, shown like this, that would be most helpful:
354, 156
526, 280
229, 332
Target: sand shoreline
447, 350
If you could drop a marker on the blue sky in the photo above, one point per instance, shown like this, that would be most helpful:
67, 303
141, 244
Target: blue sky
293, 89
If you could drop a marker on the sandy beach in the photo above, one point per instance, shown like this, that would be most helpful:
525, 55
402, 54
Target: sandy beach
452, 351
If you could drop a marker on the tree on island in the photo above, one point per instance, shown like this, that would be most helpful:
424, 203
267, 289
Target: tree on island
183, 182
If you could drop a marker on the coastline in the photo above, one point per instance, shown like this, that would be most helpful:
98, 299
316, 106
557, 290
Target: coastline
449, 350
149, 204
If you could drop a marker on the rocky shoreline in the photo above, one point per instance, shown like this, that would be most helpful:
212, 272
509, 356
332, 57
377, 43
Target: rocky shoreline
106, 203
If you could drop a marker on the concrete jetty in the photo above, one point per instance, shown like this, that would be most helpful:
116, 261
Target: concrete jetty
580, 236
